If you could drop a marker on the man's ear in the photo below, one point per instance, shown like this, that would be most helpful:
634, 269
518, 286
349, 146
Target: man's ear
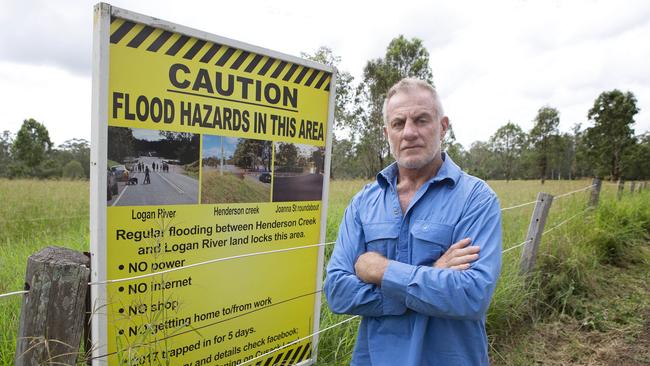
444, 123
385, 132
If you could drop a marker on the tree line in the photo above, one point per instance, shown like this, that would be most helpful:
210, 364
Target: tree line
31, 154
609, 149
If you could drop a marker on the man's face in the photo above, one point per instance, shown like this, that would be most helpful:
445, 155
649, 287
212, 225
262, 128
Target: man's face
413, 130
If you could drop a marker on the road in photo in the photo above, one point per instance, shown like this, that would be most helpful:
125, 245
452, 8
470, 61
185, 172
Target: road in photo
173, 187
298, 188
298, 172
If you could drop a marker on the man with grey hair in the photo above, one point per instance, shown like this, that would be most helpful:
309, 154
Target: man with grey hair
422, 298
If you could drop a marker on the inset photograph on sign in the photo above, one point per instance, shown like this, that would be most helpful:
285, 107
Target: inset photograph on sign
298, 172
152, 167
236, 170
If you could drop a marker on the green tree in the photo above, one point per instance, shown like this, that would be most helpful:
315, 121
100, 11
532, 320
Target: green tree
251, 153
5, 153
345, 120
120, 143
32, 144
74, 149
481, 160
73, 170
636, 162
404, 58
344, 162
286, 156
542, 137
508, 142
343, 115
318, 158
612, 134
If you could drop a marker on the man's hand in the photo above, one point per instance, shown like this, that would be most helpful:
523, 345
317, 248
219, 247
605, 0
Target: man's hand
458, 256
370, 267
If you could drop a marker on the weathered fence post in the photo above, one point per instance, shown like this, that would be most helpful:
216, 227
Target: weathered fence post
52, 313
632, 186
535, 230
621, 186
595, 192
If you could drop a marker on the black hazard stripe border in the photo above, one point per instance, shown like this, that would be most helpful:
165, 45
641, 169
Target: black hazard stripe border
288, 357
129, 34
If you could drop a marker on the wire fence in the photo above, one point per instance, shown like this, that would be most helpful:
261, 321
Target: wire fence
146, 275
340, 323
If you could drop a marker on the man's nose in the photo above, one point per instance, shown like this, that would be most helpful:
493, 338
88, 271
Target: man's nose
410, 129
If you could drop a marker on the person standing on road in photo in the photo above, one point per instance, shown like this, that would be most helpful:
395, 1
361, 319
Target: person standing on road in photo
147, 179
423, 299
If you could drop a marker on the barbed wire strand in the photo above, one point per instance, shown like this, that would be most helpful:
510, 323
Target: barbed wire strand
567, 220
208, 262
572, 192
549, 230
82, 216
146, 275
300, 340
318, 291
521, 205
516, 246
14, 293
195, 329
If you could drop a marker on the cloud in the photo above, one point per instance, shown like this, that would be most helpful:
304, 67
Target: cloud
492, 61
47, 33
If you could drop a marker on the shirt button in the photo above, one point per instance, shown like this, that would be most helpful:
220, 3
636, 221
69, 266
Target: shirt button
394, 211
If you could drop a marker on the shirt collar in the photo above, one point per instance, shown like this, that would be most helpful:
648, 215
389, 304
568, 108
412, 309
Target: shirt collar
448, 171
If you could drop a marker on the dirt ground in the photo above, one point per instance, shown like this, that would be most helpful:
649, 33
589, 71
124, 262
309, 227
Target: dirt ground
615, 331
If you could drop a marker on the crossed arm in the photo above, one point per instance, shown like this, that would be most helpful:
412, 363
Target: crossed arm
370, 266
458, 285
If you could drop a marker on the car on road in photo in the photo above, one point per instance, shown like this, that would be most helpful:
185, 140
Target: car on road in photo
121, 173
265, 177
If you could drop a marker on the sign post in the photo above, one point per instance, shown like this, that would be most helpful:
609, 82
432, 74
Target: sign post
205, 153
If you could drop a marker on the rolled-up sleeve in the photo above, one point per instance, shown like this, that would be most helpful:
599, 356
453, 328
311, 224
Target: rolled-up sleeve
345, 292
451, 293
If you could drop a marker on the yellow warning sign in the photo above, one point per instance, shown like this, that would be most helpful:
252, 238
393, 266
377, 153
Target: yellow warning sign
215, 167
170, 81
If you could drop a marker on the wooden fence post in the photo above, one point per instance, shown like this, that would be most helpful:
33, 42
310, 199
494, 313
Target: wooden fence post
632, 183
535, 230
595, 192
621, 186
52, 313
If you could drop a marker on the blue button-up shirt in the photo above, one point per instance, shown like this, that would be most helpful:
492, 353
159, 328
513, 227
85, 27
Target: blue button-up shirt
420, 315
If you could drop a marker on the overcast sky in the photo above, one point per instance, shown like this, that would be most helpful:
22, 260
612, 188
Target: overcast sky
492, 61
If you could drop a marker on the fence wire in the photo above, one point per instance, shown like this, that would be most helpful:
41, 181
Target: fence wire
567, 220
196, 329
14, 293
516, 246
573, 192
300, 340
261, 253
517, 206
287, 300
250, 254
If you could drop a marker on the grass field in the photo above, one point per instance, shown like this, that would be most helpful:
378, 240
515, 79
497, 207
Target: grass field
35, 214
229, 188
